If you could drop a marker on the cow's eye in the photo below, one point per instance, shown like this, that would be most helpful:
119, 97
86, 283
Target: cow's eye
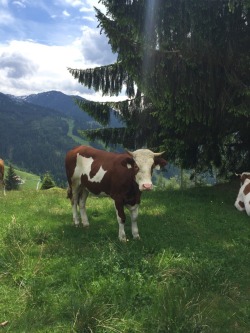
136, 167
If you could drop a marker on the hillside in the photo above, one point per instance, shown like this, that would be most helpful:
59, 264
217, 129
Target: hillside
36, 131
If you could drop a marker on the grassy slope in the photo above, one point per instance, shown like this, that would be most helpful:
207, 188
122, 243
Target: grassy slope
77, 139
30, 180
189, 273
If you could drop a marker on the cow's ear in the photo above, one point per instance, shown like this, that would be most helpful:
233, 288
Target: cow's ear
128, 162
243, 178
159, 163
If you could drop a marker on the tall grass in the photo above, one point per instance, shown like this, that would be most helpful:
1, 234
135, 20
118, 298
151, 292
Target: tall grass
188, 274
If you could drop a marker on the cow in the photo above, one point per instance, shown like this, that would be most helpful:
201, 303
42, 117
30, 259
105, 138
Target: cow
243, 199
122, 176
2, 183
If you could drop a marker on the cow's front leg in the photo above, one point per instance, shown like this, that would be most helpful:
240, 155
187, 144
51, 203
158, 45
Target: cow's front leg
134, 214
82, 207
119, 207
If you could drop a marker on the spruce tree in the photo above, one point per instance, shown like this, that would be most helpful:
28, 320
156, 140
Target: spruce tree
185, 65
11, 182
47, 182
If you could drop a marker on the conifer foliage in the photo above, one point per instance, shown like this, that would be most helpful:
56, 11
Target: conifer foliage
186, 68
47, 182
11, 181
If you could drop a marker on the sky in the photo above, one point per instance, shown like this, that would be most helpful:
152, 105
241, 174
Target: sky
40, 39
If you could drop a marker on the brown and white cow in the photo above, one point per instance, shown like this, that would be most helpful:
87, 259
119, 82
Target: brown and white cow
2, 175
123, 177
243, 199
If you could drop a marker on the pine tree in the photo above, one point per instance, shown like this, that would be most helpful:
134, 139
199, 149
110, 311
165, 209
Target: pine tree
11, 182
190, 62
47, 182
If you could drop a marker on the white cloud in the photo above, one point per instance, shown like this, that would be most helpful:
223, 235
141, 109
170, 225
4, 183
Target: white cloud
27, 67
36, 54
88, 18
16, 66
95, 48
36, 67
19, 3
66, 13
6, 18
4, 3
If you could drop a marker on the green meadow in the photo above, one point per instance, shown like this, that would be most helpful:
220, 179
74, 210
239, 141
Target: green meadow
189, 273
30, 180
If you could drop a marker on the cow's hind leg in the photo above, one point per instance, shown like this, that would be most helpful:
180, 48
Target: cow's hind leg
82, 207
134, 214
73, 194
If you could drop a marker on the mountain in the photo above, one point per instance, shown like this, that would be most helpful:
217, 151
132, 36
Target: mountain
36, 131
66, 105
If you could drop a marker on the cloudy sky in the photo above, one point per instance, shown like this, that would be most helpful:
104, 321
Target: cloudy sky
39, 39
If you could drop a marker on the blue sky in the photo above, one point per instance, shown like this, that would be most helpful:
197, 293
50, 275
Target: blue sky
39, 39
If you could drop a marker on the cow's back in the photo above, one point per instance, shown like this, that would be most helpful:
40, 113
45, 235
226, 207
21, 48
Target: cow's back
100, 171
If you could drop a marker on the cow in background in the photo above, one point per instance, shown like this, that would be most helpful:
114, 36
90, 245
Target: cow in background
123, 177
243, 199
2, 183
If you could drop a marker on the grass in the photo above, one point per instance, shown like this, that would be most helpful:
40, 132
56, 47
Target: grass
189, 273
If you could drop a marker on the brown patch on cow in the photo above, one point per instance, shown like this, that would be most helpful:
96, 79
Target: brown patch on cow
244, 176
241, 204
95, 167
246, 189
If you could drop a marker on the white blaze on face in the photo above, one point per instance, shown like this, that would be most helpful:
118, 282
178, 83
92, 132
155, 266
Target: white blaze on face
83, 167
144, 159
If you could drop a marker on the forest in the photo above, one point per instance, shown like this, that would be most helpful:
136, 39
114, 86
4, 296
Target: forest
36, 138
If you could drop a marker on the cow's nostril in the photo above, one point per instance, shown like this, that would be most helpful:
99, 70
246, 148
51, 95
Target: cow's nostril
147, 186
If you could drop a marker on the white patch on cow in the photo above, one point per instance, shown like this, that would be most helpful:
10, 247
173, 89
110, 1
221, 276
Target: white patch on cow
144, 158
83, 167
243, 198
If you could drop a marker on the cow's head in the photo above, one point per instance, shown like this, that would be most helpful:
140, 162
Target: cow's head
144, 161
243, 176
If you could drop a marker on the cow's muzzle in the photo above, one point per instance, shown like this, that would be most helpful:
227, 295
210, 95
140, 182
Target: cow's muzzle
147, 187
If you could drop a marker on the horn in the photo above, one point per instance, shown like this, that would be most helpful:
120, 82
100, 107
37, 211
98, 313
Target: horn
159, 154
129, 152
237, 174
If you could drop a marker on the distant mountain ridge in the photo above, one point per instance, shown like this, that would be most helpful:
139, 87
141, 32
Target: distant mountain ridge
37, 130
66, 105
60, 102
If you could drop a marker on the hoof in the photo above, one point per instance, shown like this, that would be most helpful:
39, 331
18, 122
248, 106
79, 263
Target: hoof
136, 236
123, 240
